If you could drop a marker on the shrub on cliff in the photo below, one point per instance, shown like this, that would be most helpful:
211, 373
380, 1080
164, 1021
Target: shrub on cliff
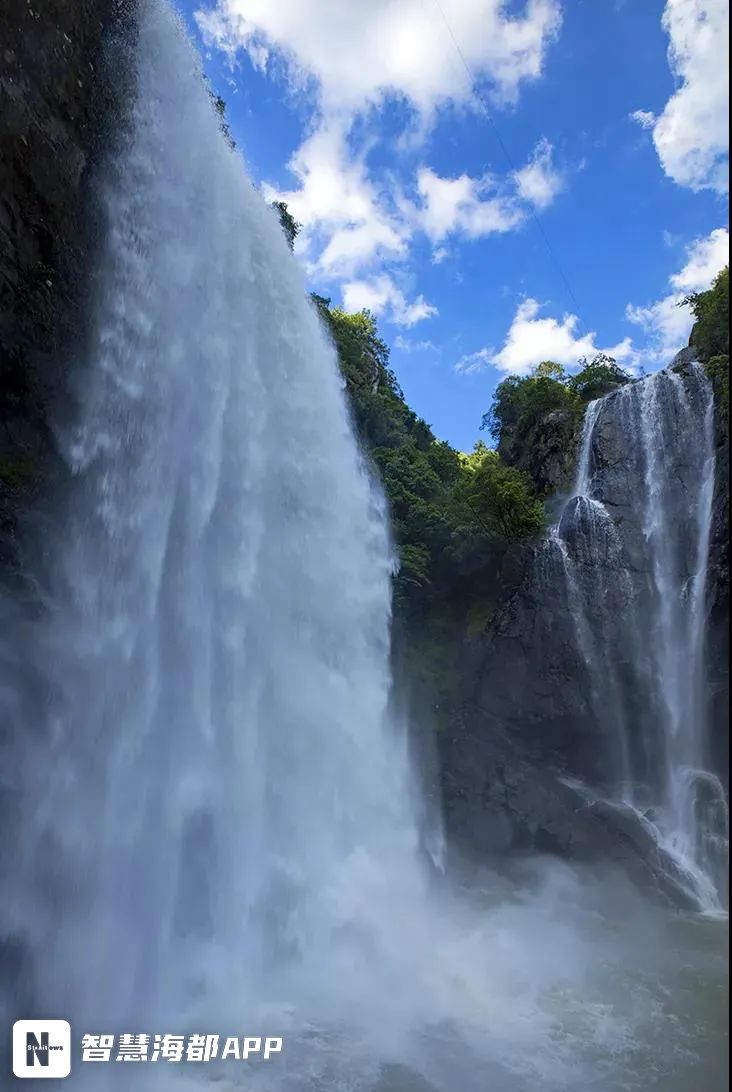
597, 377
520, 403
535, 418
710, 334
418, 471
452, 515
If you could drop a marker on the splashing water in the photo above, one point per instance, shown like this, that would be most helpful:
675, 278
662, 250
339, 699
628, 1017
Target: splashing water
219, 826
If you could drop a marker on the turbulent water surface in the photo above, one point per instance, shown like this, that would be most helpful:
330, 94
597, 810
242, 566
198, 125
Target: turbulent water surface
224, 834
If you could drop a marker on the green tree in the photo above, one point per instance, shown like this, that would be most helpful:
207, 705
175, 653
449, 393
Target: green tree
710, 334
597, 377
521, 403
549, 369
498, 500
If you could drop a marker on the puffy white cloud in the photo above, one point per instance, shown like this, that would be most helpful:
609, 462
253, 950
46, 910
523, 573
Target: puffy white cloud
666, 325
705, 258
539, 181
337, 200
359, 53
346, 59
691, 135
474, 207
383, 297
452, 205
533, 338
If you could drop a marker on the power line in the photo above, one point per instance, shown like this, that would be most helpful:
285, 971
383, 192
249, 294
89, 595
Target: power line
487, 114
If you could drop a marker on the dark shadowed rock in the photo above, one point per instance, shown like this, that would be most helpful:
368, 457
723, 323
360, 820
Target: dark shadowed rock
52, 117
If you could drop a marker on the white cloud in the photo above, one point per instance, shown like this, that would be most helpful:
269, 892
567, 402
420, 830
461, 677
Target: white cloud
691, 135
406, 345
666, 325
474, 362
705, 259
382, 296
360, 53
645, 118
339, 207
533, 338
539, 181
345, 60
450, 205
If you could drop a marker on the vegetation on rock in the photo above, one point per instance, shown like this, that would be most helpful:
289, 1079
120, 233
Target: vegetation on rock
710, 334
535, 419
288, 222
452, 515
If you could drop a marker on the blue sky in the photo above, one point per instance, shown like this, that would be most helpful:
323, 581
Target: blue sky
499, 182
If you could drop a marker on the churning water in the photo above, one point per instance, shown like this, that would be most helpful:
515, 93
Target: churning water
219, 828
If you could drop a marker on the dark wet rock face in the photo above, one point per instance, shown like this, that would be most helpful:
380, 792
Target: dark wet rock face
52, 117
56, 115
561, 684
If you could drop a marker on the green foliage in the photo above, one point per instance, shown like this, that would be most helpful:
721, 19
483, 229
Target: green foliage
452, 515
496, 499
288, 223
535, 418
710, 335
549, 369
597, 377
521, 403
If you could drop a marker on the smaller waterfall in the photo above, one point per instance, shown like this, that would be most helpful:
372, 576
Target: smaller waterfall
582, 481
635, 569
587, 551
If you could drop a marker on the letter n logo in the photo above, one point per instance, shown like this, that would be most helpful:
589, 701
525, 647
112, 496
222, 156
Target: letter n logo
35, 1051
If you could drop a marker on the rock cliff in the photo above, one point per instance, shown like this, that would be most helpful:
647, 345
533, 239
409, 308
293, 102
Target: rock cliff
53, 112
527, 719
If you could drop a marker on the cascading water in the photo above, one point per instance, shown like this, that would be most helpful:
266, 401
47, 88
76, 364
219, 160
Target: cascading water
661, 752
224, 773
218, 829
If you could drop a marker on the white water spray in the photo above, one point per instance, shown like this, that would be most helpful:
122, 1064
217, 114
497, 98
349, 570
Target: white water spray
226, 787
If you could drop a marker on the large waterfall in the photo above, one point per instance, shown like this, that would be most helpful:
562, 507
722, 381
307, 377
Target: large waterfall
218, 825
227, 795
635, 564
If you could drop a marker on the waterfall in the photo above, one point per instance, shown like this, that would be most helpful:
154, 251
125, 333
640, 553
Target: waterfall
218, 828
224, 792
652, 500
